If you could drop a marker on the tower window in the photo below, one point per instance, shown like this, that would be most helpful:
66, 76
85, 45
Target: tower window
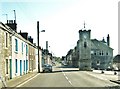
85, 44
92, 52
107, 53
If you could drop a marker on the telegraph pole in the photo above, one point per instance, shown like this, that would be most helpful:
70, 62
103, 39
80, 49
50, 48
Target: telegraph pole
38, 46
47, 52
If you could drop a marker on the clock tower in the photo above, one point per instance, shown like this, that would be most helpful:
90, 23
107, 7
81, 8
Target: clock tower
84, 49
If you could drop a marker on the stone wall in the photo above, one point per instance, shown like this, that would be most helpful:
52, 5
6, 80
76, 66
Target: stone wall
5, 53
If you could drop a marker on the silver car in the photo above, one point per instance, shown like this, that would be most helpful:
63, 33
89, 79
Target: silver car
47, 68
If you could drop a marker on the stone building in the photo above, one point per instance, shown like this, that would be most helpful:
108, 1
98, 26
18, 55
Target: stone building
101, 54
5, 51
69, 57
116, 62
75, 55
32, 54
6, 34
91, 53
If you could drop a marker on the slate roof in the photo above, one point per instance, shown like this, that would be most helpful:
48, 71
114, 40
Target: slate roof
95, 44
116, 59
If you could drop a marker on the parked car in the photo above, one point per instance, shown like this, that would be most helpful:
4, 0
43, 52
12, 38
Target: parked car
47, 68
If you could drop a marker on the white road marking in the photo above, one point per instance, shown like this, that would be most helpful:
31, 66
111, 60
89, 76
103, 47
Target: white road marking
27, 81
70, 82
66, 77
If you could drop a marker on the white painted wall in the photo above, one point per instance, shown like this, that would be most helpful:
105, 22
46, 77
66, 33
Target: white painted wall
19, 56
36, 57
40, 60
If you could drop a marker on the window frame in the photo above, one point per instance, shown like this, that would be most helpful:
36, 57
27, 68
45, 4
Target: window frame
16, 45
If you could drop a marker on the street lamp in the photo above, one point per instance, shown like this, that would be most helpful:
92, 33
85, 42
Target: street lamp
38, 45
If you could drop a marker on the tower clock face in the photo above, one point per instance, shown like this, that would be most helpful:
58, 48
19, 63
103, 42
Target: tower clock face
85, 36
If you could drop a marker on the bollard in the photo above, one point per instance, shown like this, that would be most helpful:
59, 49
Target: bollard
115, 73
102, 72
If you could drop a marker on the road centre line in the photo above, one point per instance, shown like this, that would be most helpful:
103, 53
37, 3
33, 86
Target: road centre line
70, 82
66, 77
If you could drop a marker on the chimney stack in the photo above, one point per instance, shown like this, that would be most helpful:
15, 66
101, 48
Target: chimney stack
12, 24
108, 40
30, 39
24, 34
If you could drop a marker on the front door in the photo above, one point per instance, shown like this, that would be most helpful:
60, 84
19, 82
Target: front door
10, 68
20, 67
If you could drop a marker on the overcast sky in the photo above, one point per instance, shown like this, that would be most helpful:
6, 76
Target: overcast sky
62, 19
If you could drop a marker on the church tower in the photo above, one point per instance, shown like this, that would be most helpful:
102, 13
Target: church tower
84, 49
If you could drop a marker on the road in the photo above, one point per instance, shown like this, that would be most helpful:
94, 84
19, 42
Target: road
67, 77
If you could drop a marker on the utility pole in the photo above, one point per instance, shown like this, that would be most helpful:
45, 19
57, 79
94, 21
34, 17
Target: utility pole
47, 52
38, 46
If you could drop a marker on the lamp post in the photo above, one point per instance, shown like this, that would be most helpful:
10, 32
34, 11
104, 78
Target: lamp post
38, 45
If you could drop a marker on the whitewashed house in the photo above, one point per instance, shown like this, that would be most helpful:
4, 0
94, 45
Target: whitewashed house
19, 55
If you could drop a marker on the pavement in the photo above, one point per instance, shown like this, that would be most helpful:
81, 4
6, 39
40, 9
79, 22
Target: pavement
111, 75
20, 79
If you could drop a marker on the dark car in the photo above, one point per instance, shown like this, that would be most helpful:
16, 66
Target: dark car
47, 68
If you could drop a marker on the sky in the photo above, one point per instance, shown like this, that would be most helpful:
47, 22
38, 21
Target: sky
62, 19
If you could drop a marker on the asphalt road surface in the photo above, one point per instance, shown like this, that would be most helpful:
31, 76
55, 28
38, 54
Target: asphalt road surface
67, 77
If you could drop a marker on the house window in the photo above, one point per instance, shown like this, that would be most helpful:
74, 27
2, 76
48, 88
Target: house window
6, 39
98, 62
102, 53
85, 44
22, 47
95, 53
26, 49
16, 45
16, 67
6, 66
24, 65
